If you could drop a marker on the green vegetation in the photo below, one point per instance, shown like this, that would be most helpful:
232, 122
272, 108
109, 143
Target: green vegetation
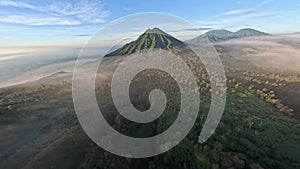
151, 39
276, 88
252, 134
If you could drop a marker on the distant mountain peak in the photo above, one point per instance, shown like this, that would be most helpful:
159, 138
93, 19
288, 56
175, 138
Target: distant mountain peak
248, 32
248, 29
223, 35
218, 32
151, 39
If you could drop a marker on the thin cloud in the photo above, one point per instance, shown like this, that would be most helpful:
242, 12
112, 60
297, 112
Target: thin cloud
56, 13
83, 35
192, 29
37, 20
18, 4
87, 11
267, 1
233, 21
126, 9
238, 12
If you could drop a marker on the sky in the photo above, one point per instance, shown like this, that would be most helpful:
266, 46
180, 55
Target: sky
34, 23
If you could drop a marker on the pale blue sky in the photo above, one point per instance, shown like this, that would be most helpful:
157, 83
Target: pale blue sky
58, 22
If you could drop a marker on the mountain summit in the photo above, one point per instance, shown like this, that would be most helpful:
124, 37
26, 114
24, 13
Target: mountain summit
247, 32
156, 31
223, 35
150, 39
